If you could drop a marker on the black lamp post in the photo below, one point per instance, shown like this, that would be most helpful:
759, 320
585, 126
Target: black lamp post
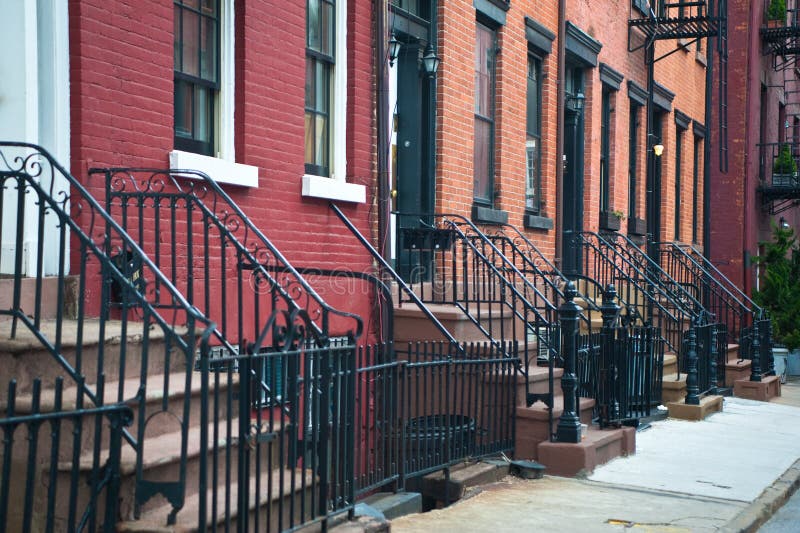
430, 61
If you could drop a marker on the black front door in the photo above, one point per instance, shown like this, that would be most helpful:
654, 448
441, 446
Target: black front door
654, 187
572, 204
413, 160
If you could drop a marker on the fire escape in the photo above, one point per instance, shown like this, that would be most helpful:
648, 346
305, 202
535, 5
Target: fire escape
778, 161
685, 23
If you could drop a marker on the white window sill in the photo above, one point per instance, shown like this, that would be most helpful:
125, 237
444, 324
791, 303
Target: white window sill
333, 189
219, 170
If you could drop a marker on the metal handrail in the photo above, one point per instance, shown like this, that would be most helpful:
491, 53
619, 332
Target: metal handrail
698, 256
93, 230
659, 277
394, 275
539, 256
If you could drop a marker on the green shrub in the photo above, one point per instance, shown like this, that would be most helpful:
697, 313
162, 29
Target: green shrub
776, 10
784, 163
780, 285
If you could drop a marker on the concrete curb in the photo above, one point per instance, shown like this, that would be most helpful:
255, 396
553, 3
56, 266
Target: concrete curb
754, 515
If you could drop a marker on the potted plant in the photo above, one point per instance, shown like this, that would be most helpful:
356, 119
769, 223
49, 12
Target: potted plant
776, 13
784, 168
779, 291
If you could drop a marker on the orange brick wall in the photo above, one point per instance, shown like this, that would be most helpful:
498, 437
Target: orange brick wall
455, 113
605, 21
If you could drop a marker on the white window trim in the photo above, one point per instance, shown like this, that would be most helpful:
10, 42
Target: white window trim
336, 187
223, 168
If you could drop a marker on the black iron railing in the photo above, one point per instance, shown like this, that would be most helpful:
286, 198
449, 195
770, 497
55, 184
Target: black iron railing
231, 272
541, 273
70, 259
754, 318
629, 368
643, 302
778, 164
35, 445
212, 251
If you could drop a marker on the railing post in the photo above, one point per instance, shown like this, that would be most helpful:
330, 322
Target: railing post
569, 424
692, 389
610, 312
755, 354
712, 363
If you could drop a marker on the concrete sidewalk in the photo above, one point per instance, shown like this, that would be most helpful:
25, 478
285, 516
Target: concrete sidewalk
728, 472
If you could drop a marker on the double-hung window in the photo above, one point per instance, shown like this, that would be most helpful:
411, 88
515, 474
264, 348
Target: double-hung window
320, 65
196, 59
533, 141
485, 49
678, 163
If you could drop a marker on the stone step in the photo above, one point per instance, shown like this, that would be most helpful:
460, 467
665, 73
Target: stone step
49, 298
158, 422
763, 391
272, 505
533, 424
673, 388
596, 447
25, 358
736, 370
161, 459
437, 489
412, 325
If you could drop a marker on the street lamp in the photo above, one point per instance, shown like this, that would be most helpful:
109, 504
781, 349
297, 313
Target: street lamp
576, 102
430, 61
394, 49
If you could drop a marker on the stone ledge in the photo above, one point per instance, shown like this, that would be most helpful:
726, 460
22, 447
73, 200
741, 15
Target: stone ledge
580, 459
763, 391
708, 405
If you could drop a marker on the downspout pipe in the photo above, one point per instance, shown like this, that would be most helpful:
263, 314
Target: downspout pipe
709, 111
382, 143
560, 98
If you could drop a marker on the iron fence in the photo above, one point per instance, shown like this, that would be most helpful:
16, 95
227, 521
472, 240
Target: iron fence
45, 482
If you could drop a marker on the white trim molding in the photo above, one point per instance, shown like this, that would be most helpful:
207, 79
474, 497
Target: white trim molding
220, 170
333, 189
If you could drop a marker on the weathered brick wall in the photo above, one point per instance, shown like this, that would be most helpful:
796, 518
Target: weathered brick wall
121, 72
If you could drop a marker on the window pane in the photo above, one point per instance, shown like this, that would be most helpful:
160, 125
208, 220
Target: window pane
209, 7
202, 128
326, 30
532, 174
190, 3
483, 132
311, 84
208, 53
533, 119
309, 144
323, 87
183, 109
321, 157
191, 40
313, 24
176, 29
483, 71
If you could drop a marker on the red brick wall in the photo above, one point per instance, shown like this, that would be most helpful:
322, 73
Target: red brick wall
121, 69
